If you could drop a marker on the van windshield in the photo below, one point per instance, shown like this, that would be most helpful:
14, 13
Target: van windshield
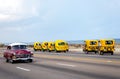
61, 43
19, 47
93, 43
109, 42
52, 44
46, 44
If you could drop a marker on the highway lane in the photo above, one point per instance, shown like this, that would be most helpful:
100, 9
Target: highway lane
56, 66
82, 54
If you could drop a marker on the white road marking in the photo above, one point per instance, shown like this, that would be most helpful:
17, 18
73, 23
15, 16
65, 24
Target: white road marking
23, 69
66, 64
109, 61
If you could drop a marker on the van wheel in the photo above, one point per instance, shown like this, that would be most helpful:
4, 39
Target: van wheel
86, 52
56, 51
65, 51
111, 53
49, 50
96, 52
35, 50
43, 50
101, 53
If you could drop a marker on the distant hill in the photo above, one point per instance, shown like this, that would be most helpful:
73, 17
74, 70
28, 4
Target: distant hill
117, 41
70, 42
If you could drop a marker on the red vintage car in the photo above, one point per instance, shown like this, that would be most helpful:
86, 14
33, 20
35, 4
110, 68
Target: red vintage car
16, 52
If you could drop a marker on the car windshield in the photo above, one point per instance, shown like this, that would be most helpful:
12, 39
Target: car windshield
19, 47
93, 43
109, 42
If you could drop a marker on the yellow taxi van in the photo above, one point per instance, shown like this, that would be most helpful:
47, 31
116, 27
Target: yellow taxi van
90, 46
106, 46
61, 46
37, 46
44, 46
51, 46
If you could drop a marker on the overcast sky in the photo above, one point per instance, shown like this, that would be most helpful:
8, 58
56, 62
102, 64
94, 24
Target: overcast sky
48, 20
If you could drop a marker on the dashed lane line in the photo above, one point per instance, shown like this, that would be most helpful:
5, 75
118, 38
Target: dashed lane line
109, 61
23, 69
62, 64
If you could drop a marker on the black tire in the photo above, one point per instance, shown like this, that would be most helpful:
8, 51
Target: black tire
43, 50
86, 52
35, 50
65, 51
30, 60
56, 51
111, 53
101, 53
7, 60
12, 61
96, 52
49, 50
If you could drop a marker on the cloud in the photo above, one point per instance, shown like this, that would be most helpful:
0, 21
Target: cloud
12, 10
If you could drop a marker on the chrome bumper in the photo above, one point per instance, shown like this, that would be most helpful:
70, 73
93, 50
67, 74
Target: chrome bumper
29, 58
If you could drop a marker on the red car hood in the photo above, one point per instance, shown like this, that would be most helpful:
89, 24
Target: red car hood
22, 51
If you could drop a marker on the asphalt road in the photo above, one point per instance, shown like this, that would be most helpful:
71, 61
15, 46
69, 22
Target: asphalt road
70, 65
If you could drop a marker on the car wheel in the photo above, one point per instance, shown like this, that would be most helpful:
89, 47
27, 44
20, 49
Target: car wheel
29, 61
7, 60
12, 61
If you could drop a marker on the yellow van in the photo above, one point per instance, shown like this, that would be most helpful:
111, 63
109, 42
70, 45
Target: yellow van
106, 46
90, 46
37, 46
51, 46
60, 46
44, 46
